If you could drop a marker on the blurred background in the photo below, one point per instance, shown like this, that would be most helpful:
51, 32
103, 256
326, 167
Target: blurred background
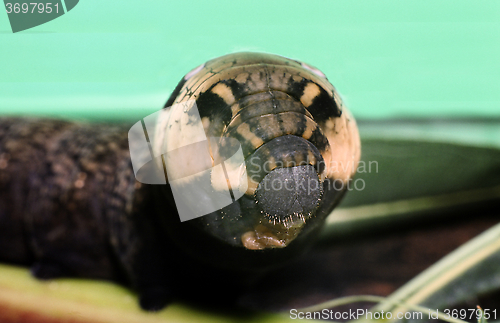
119, 59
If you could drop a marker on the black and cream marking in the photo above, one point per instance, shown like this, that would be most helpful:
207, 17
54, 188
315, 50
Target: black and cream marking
285, 115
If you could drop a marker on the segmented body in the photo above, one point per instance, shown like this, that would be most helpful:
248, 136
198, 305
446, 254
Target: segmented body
284, 114
70, 205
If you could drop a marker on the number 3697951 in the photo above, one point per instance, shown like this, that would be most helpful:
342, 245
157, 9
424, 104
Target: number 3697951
32, 7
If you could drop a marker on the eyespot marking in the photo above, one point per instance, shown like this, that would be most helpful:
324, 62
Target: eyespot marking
311, 91
225, 92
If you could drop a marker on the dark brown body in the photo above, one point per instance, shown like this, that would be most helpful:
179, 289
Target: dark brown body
61, 187
69, 203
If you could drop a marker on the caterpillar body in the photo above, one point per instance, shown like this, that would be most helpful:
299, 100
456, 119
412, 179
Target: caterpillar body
71, 205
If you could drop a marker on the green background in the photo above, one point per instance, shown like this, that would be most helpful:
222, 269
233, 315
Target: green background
121, 59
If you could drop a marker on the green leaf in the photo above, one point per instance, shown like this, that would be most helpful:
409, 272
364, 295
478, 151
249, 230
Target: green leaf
23, 298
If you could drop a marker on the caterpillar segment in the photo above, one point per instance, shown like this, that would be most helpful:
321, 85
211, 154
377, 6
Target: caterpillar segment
297, 139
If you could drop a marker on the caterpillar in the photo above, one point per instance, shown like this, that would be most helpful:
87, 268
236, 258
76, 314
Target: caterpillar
71, 204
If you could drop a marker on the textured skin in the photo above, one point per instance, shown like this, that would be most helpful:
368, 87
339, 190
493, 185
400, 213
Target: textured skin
260, 100
69, 200
59, 190
70, 205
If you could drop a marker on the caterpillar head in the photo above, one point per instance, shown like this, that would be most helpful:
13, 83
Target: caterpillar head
271, 149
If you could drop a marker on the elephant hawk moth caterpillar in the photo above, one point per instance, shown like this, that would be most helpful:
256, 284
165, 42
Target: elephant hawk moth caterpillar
70, 204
